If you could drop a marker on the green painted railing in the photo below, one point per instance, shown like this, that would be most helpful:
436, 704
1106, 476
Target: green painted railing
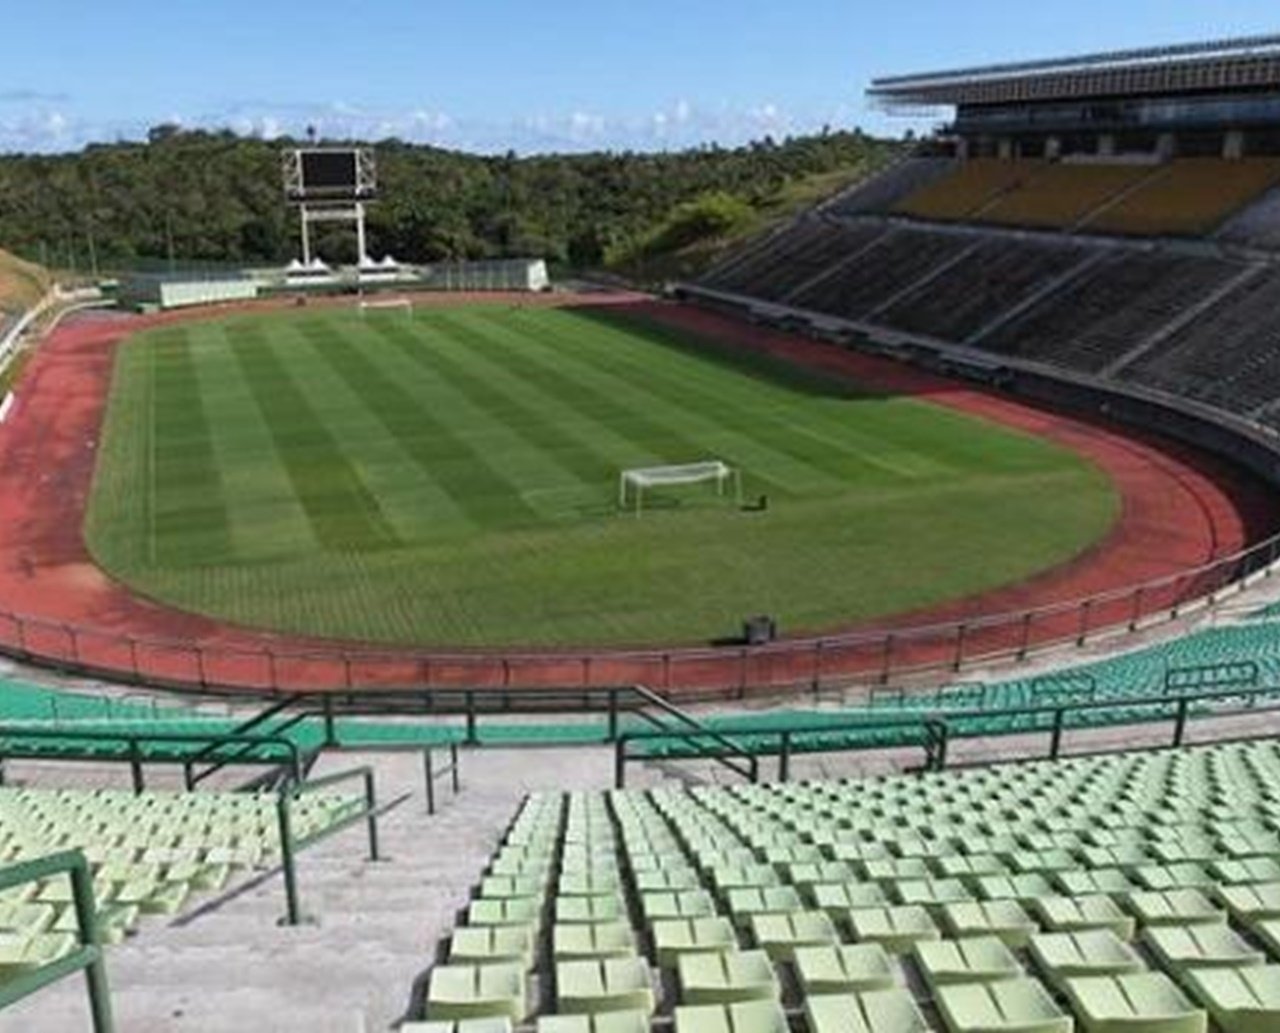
87, 957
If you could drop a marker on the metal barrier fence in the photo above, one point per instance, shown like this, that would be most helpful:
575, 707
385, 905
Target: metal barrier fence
87, 957
686, 673
933, 731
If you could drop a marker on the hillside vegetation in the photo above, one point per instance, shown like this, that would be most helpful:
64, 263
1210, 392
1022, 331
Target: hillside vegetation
22, 284
216, 197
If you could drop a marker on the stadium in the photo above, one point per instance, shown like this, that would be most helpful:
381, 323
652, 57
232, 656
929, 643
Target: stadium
872, 629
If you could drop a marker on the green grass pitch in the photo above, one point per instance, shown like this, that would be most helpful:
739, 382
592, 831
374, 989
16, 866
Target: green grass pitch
451, 479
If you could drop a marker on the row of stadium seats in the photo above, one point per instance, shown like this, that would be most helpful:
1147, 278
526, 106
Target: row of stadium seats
1135, 892
149, 853
1184, 197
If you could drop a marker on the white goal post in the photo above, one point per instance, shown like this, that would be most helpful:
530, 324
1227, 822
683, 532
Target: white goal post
404, 305
632, 483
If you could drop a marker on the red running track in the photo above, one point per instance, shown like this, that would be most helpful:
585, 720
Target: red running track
1181, 509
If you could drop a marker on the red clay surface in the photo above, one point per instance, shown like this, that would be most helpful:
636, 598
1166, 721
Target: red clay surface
1181, 510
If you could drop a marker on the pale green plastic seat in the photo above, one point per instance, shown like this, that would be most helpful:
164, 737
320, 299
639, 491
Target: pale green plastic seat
806, 876
1043, 861
846, 969
601, 1022
755, 900
1108, 881
1174, 907
1246, 870
677, 904
589, 883
673, 878
584, 941
738, 1017
512, 911
1003, 918
726, 978
607, 984
1142, 1002
589, 909
836, 897
1239, 1000
490, 944
1250, 903
1173, 876
476, 992
873, 1011
930, 893
501, 887
969, 866
21, 953
1178, 948
780, 934
675, 937
462, 1026
972, 959
1074, 914
1022, 888
892, 869
896, 928
1268, 933
1088, 952
1013, 1005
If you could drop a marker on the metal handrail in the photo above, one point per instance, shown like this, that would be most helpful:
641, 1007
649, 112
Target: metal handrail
936, 728
88, 956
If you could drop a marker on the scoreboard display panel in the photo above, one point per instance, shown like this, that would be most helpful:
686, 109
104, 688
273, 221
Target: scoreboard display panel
328, 171
329, 174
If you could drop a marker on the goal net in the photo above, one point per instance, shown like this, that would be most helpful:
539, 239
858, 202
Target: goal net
632, 484
392, 305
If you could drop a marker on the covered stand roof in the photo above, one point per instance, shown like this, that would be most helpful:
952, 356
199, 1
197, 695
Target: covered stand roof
1249, 62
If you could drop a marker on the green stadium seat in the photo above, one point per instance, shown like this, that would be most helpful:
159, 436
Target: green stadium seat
1025, 889
1109, 881
726, 977
779, 935
607, 984
1174, 907
1246, 871
585, 941
589, 883
747, 901
738, 1017
1239, 1000
1178, 948
1250, 902
1003, 918
601, 1022
1075, 914
23, 952
874, 1011
1173, 877
1087, 952
897, 929
667, 879
971, 866
836, 897
501, 887
1142, 1002
673, 938
488, 944
523, 911
972, 959
462, 1026
678, 904
476, 992
593, 910
1013, 1005
845, 969
930, 893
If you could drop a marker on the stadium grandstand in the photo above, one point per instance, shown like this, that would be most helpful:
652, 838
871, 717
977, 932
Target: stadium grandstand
1083, 844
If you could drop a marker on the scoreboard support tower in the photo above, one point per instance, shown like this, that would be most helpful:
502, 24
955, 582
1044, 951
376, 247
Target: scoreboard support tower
331, 184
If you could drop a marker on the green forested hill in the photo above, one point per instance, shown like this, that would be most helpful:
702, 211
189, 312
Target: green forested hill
217, 197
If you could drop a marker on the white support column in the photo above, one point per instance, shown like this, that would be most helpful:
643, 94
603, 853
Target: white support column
362, 256
306, 237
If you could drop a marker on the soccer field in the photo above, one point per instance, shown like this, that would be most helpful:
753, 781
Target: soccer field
451, 479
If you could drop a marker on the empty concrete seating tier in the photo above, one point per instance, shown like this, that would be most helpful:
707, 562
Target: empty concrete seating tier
1137, 893
968, 189
1061, 195
1189, 197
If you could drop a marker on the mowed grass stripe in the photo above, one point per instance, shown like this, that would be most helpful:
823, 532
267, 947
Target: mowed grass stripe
266, 516
343, 513
487, 498
666, 434
575, 453
902, 433
629, 404
188, 512
751, 407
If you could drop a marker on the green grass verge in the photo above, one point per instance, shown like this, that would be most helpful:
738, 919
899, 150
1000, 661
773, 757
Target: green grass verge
451, 479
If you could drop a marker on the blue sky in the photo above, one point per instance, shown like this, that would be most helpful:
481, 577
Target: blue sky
533, 76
